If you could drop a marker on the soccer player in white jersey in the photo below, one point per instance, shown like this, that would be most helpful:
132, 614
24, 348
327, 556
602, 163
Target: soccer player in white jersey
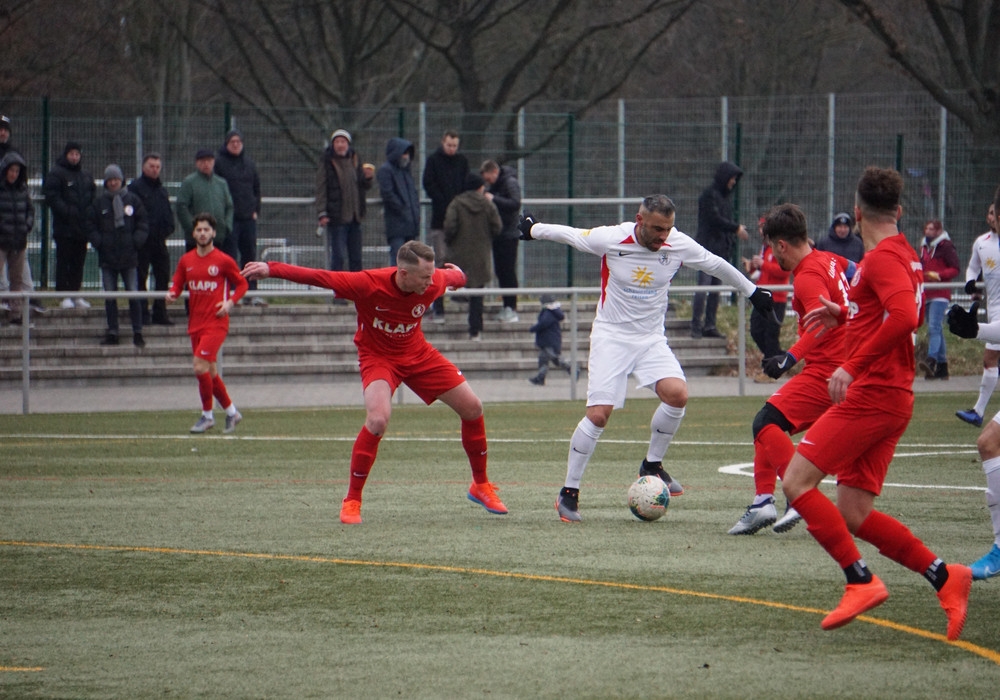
986, 260
638, 261
965, 324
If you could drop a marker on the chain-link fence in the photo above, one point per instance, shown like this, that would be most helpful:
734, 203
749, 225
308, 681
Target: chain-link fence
805, 149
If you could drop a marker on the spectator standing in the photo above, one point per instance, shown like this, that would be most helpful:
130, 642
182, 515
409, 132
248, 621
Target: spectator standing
939, 259
118, 231
17, 217
214, 287
392, 350
400, 199
471, 223
27, 283
548, 338
205, 192
505, 193
985, 261
69, 192
341, 183
154, 254
717, 232
240, 173
841, 240
444, 178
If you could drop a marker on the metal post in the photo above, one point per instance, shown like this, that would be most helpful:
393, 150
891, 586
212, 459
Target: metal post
227, 115
43, 272
570, 121
831, 153
724, 119
574, 343
422, 161
25, 355
899, 153
138, 145
943, 164
621, 157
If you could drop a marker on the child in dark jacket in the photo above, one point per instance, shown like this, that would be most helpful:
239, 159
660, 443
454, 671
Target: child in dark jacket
548, 339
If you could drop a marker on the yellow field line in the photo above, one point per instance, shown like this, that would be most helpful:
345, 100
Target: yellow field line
988, 654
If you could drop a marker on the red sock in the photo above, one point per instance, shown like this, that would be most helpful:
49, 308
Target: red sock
362, 459
205, 390
773, 450
474, 442
895, 541
219, 389
827, 526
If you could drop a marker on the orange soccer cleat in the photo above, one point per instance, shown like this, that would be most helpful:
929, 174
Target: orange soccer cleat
858, 598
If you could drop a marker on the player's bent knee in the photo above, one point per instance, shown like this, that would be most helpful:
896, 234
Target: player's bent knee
769, 415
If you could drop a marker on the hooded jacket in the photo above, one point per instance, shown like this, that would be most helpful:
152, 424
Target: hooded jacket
716, 226
69, 192
471, 222
548, 333
17, 213
506, 193
851, 247
400, 200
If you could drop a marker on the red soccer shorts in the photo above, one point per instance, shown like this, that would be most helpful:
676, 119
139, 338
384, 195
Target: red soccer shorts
426, 371
207, 343
803, 398
856, 440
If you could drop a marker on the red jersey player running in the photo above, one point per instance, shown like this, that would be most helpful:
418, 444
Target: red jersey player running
872, 393
214, 286
796, 405
392, 350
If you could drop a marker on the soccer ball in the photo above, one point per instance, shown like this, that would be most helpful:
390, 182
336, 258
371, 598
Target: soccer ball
648, 498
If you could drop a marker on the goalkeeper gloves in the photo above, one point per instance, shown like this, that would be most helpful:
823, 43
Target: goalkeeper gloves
525, 224
962, 323
970, 287
777, 365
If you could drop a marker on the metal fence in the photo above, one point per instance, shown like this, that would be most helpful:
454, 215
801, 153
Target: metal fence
805, 149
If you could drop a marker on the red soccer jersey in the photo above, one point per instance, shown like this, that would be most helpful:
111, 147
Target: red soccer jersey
819, 274
884, 313
388, 318
208, 280
771, 273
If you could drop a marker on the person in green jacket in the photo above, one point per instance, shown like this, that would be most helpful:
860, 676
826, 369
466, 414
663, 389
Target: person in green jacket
204, 192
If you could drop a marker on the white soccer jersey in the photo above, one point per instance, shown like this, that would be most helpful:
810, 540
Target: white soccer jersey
634, 279
986, 259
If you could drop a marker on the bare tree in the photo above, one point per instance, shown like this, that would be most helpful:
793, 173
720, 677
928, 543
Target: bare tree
504, 54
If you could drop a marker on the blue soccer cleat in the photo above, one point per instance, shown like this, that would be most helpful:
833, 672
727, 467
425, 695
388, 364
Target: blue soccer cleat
986, 566
970, 417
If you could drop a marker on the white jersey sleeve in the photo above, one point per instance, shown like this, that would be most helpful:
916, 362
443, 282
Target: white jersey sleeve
985, 259
634, 279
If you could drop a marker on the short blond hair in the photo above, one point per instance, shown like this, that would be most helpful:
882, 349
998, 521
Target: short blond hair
412, 252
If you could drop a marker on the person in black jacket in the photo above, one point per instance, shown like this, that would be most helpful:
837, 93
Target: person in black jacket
717, 231
444, 178
69, 192
118, 230
27, 283
154, 253
548, 339
400, 200
240, 173
505, 193
17, 216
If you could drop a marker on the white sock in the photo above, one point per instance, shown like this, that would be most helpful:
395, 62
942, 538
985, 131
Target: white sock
986, 386
581, 447
207, 414
231, 411
992, 469
666, 420
763, 498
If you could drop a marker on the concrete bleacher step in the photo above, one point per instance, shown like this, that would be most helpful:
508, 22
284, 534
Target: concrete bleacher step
293, 342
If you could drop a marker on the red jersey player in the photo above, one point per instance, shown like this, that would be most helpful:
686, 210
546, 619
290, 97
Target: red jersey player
872, 393
392, 350
796, 405
214, 285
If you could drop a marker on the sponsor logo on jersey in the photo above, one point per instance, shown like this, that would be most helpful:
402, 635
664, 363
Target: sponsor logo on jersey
642, 276
391, 327
202, 285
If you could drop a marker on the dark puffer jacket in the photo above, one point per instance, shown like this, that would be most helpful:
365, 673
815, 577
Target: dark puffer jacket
506, 193
69, 192
118, 247
400, 199
17, 214
240, 173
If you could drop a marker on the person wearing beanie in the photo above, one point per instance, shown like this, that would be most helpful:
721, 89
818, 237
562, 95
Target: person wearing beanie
548, 338
471, 222
117, 231
841, 240
154, 255
69, 193
341, 182
205, 192
939, 258
400, 200
240, 173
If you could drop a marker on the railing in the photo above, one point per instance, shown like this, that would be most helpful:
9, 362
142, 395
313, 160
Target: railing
574, 294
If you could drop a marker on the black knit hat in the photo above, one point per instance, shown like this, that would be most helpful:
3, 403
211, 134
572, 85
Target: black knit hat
5, 123
72, 146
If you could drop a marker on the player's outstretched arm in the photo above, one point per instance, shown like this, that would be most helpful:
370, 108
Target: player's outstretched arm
524, 225
256, 271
